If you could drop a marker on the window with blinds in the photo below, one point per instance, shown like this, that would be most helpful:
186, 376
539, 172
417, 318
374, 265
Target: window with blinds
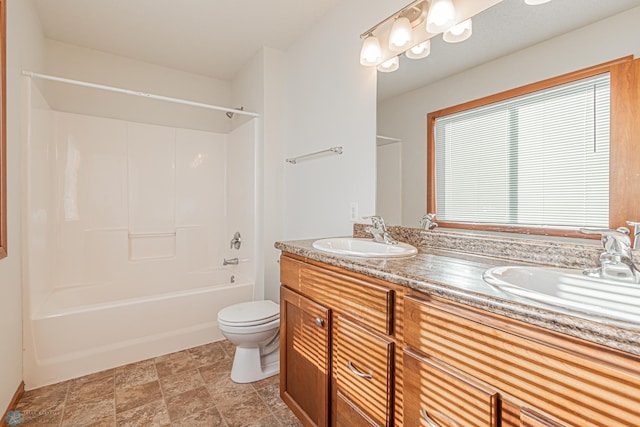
540, 159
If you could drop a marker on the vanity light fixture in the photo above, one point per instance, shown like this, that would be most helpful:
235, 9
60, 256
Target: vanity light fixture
536, 2
441, 17
419, 51
390, 65
371, 54
401, 35
459, 32
410, 29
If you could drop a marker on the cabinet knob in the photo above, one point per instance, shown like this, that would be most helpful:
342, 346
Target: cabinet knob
319, 322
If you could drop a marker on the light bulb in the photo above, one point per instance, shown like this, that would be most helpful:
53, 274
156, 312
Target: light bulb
371, 54
441, 16
401, 34
459, 33
389, 65
419, 51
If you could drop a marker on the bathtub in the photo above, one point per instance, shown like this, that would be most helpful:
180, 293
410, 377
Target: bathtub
84, 329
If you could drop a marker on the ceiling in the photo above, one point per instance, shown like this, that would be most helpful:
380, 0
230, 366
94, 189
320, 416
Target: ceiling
502, 29
215, 38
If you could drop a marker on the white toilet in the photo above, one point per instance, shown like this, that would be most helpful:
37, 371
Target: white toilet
254, 327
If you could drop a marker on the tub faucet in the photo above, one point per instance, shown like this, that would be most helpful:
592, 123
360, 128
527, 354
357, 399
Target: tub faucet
379, 231
616, 262
230, 261
236, 241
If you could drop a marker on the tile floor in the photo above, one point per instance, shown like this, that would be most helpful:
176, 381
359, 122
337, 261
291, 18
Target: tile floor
189, 388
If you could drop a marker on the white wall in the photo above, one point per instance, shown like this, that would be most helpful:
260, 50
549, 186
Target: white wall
93, 66
330, 101
259, 88
405, 116
25, 49
389, 182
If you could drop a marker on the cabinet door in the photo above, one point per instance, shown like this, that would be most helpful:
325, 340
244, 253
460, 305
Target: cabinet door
304, 357
438, 396
363, 368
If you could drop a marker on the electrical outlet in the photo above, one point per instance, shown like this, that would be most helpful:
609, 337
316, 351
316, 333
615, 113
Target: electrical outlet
353, 215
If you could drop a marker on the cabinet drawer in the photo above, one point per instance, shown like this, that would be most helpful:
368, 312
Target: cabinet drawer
364, 301
575, 382
363, 371
349, 415
447, 398
530, 418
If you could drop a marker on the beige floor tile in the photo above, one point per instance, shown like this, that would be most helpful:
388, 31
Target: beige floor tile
136, 374
243, 409
208, 354
44, 397
266, 382
89, 413
151, 414
188, 403
174, 363
208, 418
181, 382
91, 388
189, 388
132, 397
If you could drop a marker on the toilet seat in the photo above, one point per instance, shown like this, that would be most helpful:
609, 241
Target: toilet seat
251, 313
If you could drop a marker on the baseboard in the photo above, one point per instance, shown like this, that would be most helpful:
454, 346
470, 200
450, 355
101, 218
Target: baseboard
13, 404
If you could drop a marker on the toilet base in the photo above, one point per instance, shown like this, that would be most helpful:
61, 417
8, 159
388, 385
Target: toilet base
249, 366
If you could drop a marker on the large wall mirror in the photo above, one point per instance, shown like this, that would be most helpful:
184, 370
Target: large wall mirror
3, 131
513, 44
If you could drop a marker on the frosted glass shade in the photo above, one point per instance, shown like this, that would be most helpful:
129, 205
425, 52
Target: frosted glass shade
441, 16
401, 35
419, 51
536, 2
459, 33
389, 66
371, 54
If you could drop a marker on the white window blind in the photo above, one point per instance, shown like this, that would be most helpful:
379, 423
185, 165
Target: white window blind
540, 159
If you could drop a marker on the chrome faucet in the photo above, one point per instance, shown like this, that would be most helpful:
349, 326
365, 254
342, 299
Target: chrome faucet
636, 233
379, 231
616, 262
230, 261
428, 221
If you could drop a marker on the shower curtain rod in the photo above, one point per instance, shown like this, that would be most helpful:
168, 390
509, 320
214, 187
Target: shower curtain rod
138, 93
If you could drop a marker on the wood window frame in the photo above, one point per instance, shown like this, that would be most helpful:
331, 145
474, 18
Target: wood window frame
3, 129
624, 155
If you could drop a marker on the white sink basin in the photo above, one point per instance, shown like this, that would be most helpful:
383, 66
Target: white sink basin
571, 290
364, 248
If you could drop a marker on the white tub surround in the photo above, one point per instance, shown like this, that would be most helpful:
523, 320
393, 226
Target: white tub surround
127, 227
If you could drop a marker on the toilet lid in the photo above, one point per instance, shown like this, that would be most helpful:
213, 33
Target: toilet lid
249, 313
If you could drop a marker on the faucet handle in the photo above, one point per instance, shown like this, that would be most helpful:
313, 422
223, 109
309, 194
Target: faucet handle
377, 221
636, 233
614, 241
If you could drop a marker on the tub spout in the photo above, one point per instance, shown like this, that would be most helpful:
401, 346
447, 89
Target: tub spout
230, 261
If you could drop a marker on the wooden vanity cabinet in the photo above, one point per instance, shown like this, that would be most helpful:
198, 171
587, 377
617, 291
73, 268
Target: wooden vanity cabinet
539, 377
357, 346
304, 357
357, 351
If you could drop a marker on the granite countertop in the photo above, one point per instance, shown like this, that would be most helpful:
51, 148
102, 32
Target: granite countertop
457, 277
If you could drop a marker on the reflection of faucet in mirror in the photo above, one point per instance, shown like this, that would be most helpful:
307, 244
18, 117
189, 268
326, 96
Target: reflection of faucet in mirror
428, 221
379, 231
636, 233
616, 262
